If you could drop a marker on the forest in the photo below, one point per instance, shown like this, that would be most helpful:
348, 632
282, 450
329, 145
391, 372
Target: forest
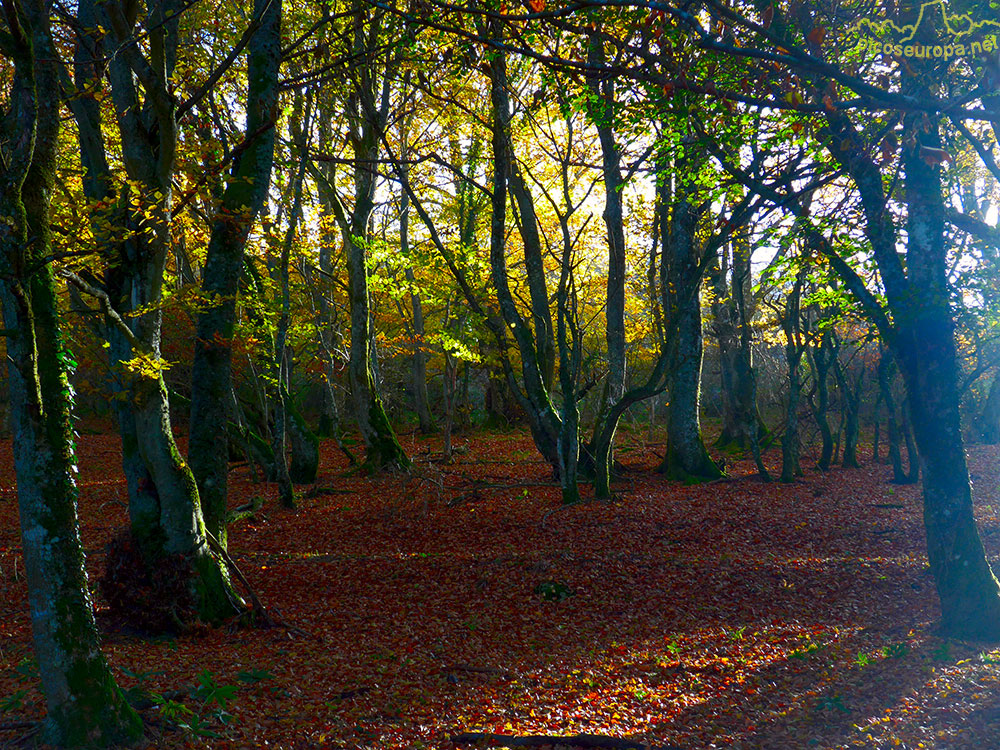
569, 374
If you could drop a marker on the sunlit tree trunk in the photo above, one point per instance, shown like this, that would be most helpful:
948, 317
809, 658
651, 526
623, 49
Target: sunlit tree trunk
419, 370
602, 112
922, 339
542, 418
367, 114
172, 522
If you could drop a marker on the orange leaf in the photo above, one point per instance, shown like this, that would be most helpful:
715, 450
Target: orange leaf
817, 35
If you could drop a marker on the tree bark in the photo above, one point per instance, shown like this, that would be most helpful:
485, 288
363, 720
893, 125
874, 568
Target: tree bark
367, 113
921, 337
823, 358
989, 418
542, 419
886, 373
84, 705
852, 405
925, 353
211, 370
791, 322
419, 371
602, 114
173, 522
686, 456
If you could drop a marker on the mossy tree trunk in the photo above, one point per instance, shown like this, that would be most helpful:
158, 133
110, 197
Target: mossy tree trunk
922, 338
98, 186
367, 113
794, 348
250, 178
925, 353
170, 522
532, 393
85, 707
686, 457
304, 464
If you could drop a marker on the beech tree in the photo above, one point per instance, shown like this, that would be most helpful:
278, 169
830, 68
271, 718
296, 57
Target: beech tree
901, 128
85, 707
132, 227
250, 178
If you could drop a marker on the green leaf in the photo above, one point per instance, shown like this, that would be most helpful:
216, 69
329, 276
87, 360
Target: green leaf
254, 676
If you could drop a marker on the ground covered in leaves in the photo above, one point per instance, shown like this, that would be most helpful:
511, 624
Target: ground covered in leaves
463, 598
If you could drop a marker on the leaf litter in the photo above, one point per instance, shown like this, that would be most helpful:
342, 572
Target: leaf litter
734, 614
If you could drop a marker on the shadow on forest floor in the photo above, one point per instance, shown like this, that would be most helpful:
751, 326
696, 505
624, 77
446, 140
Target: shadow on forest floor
734, 614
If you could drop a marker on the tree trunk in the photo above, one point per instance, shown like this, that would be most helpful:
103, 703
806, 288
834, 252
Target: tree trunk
419, 373
84, 705
686, 456
368, 113
885, 376
989, 418
211, 369
925, 353
168, 518
602, 113
542, 419
742, 426
970, 597
790, 466
851, 402
304, 445
541, 316
824, 357
383, 448
326, 318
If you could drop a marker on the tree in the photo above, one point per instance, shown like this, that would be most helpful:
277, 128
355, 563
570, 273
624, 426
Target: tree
250, 178
916, 320
134, 238
367, 111
686, 456
85, 707
732, 311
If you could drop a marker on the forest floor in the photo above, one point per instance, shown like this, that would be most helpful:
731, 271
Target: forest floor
463, 598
